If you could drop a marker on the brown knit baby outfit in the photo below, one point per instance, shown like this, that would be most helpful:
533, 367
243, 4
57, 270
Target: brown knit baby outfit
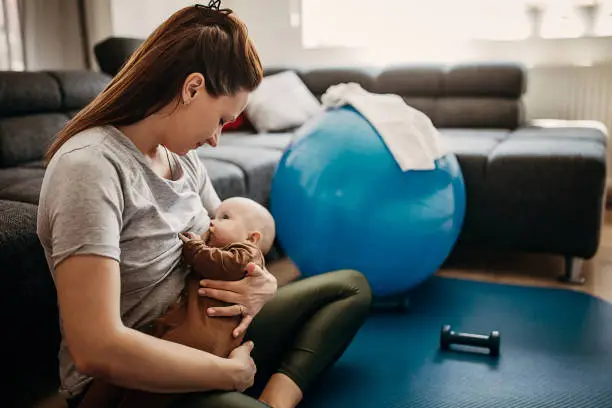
186, 321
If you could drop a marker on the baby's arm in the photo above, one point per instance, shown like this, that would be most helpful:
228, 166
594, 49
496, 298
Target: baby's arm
217, 263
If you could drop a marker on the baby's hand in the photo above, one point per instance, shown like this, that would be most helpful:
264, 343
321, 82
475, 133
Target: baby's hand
188, 236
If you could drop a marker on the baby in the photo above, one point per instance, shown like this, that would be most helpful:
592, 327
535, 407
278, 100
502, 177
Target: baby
241, 232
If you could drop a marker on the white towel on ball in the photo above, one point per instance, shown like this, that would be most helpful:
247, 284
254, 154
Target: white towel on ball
408, 133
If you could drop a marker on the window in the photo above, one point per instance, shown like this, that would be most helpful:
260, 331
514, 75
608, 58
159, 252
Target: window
11, 47
361, 23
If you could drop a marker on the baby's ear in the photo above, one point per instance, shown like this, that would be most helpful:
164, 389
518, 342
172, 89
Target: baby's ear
254, 236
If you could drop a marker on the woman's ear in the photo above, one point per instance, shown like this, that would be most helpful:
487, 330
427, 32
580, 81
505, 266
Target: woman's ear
254, 236
193, 85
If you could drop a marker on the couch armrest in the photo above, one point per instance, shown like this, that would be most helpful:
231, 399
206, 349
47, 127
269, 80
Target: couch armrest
564, 125
29, 306
546, 188
113, 53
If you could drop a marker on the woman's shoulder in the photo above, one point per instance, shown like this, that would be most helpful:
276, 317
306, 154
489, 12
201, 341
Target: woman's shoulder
93, 148
83, 146
90, 137
83, 157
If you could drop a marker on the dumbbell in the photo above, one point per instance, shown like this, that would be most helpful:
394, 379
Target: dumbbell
448, 337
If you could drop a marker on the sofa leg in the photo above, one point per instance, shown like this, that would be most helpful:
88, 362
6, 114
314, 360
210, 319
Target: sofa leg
573, 271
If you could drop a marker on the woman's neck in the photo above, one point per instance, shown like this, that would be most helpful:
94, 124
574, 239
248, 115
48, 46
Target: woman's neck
146, 134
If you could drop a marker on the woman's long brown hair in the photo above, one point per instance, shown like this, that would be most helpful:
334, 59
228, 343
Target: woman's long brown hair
212, 42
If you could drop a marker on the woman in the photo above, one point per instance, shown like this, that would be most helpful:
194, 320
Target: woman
122, 181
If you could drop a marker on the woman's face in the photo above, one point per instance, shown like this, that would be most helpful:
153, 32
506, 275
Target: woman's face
199, 118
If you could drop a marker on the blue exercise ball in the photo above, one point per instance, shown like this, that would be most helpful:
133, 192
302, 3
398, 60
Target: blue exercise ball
341, 201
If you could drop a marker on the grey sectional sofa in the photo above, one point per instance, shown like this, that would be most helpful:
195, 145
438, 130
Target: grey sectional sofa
529, 188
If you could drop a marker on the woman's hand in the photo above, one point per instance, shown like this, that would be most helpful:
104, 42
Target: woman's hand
248, 295
245, 366
188, 236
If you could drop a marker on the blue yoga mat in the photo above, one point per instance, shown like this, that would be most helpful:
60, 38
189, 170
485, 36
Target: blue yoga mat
556, 351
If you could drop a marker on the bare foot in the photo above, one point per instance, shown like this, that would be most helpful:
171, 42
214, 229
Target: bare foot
281, 392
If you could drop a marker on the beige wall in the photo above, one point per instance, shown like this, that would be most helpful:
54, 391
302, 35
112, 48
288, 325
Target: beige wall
52, 35
149, 14
99, 23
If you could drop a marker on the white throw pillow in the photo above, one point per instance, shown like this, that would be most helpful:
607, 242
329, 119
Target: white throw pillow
281, 102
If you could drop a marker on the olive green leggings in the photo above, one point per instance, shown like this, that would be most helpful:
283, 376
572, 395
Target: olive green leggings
301, 332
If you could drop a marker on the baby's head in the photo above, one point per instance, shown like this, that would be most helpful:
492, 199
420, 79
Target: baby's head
240, 219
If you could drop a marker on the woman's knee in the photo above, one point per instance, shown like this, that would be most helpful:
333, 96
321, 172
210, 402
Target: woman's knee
356, 284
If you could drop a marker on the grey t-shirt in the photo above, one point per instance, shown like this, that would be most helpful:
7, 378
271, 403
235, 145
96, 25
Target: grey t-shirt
99, 196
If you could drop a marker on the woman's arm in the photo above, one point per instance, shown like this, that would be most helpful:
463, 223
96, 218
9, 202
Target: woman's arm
103, 347
248, 295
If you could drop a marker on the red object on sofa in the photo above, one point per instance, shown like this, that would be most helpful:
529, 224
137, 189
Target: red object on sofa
240, 123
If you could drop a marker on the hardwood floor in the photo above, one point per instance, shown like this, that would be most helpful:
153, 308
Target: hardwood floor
516, 268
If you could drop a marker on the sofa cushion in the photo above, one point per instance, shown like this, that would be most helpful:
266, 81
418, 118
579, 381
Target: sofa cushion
80, 87
26, 138
572, 164
27, 191
258, 166
28, 92
16, 175
20, 246
480, 95
418, 85
562, 134
318, 80
411, 80
533, 182
30, 308
485, 79
281, 102
72, 113
429, 106
564, 125
34, 164
473, 147
479, 112
113, 52
277, 141
227, 178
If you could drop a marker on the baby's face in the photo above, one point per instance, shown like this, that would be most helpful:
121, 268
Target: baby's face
229, 225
